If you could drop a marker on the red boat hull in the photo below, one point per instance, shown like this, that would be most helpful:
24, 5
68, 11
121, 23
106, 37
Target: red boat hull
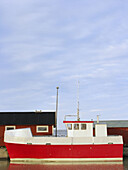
64, 152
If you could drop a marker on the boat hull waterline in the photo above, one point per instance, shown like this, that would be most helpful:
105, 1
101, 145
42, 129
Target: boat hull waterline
87, 152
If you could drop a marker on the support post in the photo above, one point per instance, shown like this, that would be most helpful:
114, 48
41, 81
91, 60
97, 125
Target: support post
97, 118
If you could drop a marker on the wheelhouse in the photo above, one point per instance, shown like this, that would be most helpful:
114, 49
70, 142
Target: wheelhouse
79, 128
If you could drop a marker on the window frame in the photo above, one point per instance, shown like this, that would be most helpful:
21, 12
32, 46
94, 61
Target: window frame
45, 126
85, 125
71, 126
10, 126
77, 126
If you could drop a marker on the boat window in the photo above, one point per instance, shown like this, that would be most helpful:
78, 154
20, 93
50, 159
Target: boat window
83, 126
76, 126
41, 129
69, 126
9, 127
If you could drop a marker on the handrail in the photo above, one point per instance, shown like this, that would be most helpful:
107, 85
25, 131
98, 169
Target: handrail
69, 116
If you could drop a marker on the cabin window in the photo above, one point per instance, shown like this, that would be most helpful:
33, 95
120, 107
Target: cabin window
76, 126
83, 126
69, 126
41, 129
9, 127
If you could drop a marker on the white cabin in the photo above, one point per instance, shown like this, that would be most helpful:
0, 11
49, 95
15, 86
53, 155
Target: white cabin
100, 130
79, 128
85, 129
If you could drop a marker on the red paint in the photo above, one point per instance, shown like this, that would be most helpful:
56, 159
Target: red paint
64, 151
78, 121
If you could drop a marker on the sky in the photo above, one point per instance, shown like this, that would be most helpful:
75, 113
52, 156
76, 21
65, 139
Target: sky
50, 43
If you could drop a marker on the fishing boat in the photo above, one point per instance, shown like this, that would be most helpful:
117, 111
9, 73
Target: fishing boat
80, 144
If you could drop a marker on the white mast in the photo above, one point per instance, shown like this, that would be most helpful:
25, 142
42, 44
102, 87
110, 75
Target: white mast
78, 117
56, 109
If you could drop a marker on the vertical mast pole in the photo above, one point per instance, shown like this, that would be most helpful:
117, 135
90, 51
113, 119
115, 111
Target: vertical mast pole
78, 117
56, 109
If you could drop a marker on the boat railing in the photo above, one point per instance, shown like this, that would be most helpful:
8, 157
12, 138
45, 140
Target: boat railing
69, 116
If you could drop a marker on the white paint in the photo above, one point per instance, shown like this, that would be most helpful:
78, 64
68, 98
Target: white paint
66, 159
100, 130
65, 140
41, 126
11, 135
24, 136
9, 126
88, 132
108, 140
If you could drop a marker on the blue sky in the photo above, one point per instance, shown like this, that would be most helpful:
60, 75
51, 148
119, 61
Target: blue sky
49, 43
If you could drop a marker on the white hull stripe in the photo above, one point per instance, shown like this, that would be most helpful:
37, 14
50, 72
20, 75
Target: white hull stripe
65, 159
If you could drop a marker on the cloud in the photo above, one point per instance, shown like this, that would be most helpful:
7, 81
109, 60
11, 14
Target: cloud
45, 44
96, 110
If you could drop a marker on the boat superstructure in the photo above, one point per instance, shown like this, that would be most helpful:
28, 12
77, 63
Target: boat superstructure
79, 145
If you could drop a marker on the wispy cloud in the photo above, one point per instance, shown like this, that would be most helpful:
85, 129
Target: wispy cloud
96, 110
45, 44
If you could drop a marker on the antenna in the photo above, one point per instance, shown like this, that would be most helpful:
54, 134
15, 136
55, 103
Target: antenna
78, 117
56, 109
